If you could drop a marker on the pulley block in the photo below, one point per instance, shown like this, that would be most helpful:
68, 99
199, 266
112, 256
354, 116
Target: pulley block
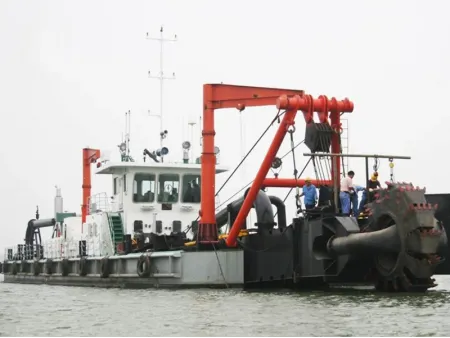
318, 137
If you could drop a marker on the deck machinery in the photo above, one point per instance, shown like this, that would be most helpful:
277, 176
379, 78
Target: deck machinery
398, 245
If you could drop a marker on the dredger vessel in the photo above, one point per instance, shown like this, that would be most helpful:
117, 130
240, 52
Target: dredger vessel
162, 228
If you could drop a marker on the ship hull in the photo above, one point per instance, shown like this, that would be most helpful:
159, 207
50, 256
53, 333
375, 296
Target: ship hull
170, 269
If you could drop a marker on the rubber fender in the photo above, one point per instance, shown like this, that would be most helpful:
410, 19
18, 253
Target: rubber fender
36, 268
104, 267
82, 266
14, 268
48, 267
23, 266
64, 267
143, 266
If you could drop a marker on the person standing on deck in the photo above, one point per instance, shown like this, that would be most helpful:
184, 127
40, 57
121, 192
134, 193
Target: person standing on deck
355, 199
346, 191
373, 185
310, 193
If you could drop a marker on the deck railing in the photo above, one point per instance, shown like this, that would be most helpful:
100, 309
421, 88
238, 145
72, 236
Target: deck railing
99, 203
24, 252
57, 249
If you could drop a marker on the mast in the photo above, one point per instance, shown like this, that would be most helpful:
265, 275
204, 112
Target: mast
191, 124
124, 147
161, 78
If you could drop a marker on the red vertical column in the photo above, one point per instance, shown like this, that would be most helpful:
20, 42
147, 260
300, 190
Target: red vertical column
207, 229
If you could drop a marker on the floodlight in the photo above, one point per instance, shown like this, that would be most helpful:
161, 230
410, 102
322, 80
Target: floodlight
162, 152
122, 146
186, 145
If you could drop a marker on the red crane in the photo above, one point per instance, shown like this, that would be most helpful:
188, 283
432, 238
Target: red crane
216, 96
89, 156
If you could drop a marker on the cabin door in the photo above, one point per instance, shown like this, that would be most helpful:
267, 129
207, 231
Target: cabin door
121, 189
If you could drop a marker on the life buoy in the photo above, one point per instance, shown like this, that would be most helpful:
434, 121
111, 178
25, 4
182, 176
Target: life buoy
36, 268
48, 266
143, 266
23, 266
64, 267
104, 267
83, 266
14, 268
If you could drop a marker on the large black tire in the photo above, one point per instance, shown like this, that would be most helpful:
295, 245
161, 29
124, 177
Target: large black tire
14, 268
83, 266
65, 267
36, 268
23, 266
48, 266
104, 267
143, 266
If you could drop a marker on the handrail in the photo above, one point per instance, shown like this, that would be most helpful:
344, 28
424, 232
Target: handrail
100, 201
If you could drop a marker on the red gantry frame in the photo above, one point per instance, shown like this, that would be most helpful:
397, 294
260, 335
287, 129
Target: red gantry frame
89, 156
217, 96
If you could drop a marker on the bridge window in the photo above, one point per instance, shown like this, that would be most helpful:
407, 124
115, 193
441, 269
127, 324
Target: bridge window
144, 188
191, 188
168, 188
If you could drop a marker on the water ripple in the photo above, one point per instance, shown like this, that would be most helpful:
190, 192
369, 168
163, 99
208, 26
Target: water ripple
31, 310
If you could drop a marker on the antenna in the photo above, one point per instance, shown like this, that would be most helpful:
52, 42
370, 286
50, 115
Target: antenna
191, 124
128, 131
124, 147
161, 78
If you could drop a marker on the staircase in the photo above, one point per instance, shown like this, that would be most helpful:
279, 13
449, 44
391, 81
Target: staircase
116, 227
344, 145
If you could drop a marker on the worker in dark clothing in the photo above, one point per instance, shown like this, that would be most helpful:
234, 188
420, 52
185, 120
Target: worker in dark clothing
368, 196
373, 182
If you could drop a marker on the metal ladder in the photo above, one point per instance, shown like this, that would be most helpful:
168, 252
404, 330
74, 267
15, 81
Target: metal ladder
344, 144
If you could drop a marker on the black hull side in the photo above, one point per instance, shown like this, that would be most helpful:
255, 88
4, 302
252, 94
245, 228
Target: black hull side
442, 214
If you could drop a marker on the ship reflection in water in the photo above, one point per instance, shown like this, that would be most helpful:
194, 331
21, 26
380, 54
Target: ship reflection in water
31, 310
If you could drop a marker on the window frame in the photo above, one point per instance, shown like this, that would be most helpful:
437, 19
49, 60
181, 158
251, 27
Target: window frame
134, 193
199, 176
159, 186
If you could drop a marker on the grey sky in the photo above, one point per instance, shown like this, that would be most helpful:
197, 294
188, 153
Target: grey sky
70, 69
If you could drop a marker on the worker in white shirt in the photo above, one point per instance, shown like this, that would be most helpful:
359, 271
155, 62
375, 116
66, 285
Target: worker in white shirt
346, 191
